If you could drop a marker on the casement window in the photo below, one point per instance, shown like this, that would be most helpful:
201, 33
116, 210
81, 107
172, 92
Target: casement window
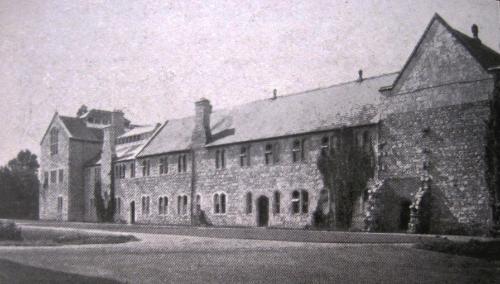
163, 205
245, 156
45, 179
120, 171
132, 170
59, 204
325, 144
276, 202
181, 163
53, 176
182, 203
248, 205
163, 165
300, 202
298, 151
54, 141
145, 168
272, 153
220, 203
220, 159
118, 205
61, 175
145, 205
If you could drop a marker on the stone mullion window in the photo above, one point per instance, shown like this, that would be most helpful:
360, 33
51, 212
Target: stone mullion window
145, 205
163, 165
132, 170
245, 156
300, 202
276, 202
220, 159
163, 205
53, 176
182, 204
181, 163
220, 203
268, 154
145, 168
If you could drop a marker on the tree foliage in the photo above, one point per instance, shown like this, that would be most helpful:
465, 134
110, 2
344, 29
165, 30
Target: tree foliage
105, 204
19, 187
346, 169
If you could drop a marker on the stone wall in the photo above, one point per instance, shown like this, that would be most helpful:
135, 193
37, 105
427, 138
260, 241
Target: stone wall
49, 195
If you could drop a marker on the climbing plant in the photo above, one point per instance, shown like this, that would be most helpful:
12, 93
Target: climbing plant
493, 155
346, 169
105, 212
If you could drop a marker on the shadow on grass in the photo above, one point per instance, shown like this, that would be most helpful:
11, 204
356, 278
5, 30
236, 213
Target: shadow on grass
12, 272
489, 250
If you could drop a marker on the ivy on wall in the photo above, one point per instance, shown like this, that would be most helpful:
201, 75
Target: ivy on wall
105, 212
346, 168
493, 155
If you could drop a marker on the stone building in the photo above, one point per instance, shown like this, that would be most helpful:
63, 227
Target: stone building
257, 164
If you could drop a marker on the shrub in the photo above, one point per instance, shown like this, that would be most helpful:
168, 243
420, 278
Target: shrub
9, 231
481, 249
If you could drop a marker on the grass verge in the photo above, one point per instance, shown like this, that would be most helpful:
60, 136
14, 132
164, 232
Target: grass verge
489, 250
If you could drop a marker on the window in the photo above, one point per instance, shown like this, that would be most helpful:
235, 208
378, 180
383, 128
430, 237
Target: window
120, 171
163, 205
300, 202
298, 151
325, 144
181, 163
248, 208
367, 140
45, 179
220, 203
53, 176
118, 205
145, 205
163, 165
54, 141
182, 202
91, 203
61, 175
271, 154
276, 202
220, 159
59, 204
145, 168
132, 170
245, 156
97, 174
198, 203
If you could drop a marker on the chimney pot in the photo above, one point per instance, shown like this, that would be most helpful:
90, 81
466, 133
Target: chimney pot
275, 94
360, 73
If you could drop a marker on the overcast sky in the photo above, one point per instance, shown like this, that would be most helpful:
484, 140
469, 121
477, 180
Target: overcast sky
153, 59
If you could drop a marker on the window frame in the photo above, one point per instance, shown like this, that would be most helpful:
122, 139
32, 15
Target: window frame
245, 156
163, 165
54, 141
277, 202
146, 168
248, 203
220, 159
220, 203
146, 205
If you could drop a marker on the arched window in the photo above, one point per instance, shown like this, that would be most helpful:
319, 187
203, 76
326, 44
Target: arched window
220, 159
198, 203
300, 202
295, 202
163, 205
184, 204
305, 201
276, 202
220, 203
54, 141
248, 203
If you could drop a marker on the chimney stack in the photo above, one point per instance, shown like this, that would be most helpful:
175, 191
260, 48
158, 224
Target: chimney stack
275, 94
475, 32
201, 133
360, 75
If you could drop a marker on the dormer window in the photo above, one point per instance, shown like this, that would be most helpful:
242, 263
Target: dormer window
54, 141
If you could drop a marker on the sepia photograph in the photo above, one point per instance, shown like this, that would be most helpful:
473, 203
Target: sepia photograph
235, 141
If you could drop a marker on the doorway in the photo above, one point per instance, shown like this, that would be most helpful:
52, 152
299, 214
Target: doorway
262, 211
132, 212
404, 215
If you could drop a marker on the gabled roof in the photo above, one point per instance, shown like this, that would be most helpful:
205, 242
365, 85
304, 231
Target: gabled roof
485, 56
79, 130
348, 104
139, 129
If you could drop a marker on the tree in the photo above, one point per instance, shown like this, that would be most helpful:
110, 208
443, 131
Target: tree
19, 187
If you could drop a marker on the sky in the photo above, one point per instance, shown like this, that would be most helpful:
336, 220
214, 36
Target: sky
153, 59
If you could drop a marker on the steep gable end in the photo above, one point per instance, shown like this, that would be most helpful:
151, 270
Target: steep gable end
56, 120
443, 56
